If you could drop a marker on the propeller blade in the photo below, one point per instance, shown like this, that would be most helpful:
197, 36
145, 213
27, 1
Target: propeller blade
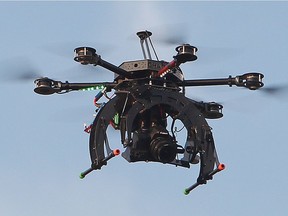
18, 70
29, 75
85, 73
66, 49
172, 39
275, 90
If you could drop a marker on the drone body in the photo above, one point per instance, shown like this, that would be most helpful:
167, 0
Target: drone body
147, 93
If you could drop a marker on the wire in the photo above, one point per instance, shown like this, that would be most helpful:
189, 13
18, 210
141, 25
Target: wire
177, 131
109, 98
67, 91
172, 131
125, 104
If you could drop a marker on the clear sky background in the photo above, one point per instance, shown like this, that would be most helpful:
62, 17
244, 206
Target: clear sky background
44, 148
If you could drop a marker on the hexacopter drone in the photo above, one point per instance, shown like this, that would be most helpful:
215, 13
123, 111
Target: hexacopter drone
147, 92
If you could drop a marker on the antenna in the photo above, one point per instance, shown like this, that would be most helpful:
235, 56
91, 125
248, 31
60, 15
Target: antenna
144, 37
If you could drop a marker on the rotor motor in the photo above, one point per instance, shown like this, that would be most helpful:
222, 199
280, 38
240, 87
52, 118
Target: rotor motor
85, 55
44, 86
185, 53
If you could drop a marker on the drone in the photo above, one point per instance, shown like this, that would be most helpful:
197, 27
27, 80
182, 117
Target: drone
146, 93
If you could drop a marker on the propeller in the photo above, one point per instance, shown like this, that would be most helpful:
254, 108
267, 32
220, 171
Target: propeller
65, 50
275, 89
23, 69
172, 38
19, 69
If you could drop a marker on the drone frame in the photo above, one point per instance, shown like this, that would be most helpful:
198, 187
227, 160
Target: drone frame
145, 88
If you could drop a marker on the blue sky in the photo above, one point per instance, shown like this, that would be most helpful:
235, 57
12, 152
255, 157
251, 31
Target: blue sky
44, 148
